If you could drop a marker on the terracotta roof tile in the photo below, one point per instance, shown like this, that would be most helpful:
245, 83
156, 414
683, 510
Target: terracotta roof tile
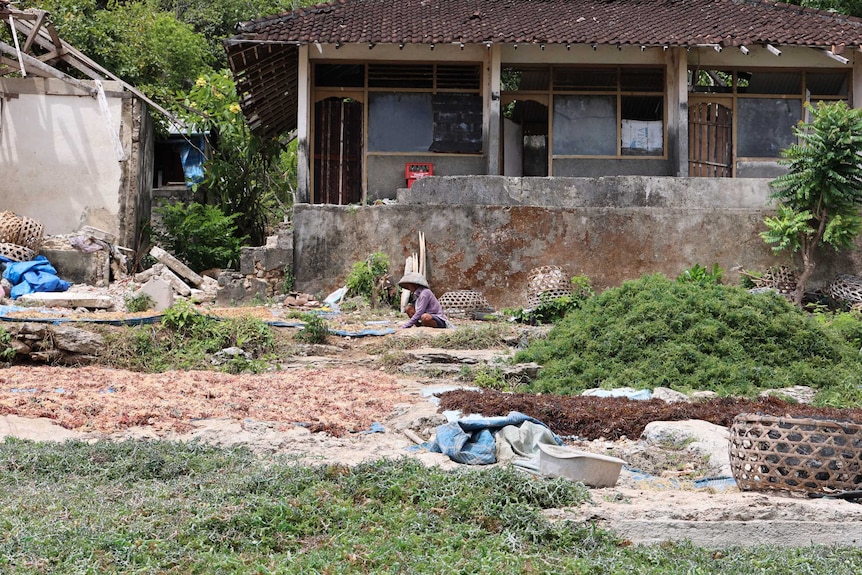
639, 22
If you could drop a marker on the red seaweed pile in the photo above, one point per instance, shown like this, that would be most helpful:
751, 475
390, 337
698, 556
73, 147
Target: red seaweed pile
611, 418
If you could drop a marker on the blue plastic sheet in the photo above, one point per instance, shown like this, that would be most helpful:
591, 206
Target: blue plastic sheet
36, 275
471, 441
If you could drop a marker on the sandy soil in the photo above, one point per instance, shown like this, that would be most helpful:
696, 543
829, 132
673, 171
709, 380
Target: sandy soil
346, 410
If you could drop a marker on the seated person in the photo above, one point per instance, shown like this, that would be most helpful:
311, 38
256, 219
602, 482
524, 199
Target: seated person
425, 310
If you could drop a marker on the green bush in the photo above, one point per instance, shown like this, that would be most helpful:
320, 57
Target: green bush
316, 330
200, 235
656, 332
552, 310
697, 274
364, 275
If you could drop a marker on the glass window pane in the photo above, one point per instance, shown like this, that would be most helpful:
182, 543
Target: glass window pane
765, 126
585, 125
399, 122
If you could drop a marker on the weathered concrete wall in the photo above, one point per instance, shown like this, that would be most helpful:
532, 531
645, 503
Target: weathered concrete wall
386, 173
611, 230
58, 161
594, 167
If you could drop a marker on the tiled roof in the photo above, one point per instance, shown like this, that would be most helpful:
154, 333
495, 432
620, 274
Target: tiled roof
637, 22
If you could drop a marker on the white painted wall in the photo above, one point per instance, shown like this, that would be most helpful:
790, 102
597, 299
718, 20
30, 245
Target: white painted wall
58, 161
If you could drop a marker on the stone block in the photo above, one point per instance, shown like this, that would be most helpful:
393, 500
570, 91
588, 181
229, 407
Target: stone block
160, 291
80, 268
67, 299
248, 257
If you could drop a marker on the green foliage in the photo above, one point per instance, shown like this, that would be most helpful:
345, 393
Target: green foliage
187, 339
552, 310
656, 332
183, 317
7, 352
697, 274
139, 302
200, 235
847, 325
137, 41
244, 175
289, 280
316, 329
364, 275
150, 507
819, 197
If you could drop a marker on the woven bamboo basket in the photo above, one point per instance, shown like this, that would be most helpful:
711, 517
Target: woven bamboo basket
30, 235
16, 253
10, 227
846, 288
795, 454
547, 282
463, 303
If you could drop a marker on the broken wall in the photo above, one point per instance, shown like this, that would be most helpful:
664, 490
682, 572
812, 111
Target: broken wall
67, 163
487, 233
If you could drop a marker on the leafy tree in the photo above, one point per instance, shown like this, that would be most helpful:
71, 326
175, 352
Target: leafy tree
819, 197
216, 20
243, 174
138, 42
848, 7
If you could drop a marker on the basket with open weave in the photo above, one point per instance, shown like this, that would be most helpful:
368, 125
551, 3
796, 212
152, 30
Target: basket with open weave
464, 303
547, 282
795, 454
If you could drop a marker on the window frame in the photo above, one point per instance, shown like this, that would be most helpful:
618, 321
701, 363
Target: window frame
618, 92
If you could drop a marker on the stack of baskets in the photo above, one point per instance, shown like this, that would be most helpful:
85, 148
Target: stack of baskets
547, 282
20, 237
464, 304
795, 454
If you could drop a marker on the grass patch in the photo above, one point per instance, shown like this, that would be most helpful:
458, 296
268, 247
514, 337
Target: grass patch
187, 339
656, 332
160, 507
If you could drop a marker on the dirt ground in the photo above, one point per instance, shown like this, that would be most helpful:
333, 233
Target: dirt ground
337, 404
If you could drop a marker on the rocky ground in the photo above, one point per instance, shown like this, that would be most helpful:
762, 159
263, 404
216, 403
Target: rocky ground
344, 403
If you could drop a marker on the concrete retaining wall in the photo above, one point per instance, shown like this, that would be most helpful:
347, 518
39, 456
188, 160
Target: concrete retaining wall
482, 235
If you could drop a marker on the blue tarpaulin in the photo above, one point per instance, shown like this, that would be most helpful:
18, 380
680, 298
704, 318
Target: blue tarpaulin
472, 441
36, 275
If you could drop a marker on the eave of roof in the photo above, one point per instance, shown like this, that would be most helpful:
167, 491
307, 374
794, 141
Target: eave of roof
685, 23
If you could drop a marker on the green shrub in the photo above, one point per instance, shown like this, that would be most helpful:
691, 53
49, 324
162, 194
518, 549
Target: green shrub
184, 317
316, 330
7, 352
700, 275
363, 277
139, 302
551, 310
656, 332
200, 235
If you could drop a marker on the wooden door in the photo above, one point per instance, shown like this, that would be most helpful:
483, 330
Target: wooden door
710, 140
338, 152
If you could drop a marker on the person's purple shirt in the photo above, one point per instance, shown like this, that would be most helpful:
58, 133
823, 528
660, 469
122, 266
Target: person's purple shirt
426, 302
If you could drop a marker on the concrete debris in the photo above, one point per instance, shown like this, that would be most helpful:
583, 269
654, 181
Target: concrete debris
159, 291
67, 299
176, 266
